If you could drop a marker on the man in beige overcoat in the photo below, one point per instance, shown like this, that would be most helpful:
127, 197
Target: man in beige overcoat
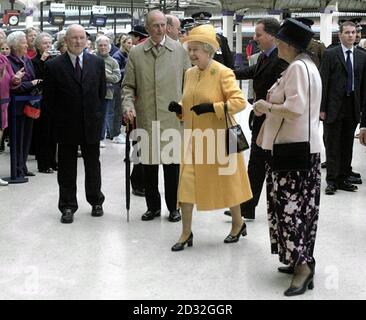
154, 77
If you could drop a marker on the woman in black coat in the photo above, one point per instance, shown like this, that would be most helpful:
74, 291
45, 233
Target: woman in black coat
44, 141
18, 46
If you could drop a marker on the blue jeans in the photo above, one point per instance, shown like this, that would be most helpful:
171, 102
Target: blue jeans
108, 116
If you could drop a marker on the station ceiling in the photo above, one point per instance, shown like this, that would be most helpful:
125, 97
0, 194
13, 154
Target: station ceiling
343, 5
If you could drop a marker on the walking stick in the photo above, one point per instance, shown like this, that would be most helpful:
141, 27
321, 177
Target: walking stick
128, 164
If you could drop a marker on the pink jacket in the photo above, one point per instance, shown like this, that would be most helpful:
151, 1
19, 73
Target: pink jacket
6, 76
290, 94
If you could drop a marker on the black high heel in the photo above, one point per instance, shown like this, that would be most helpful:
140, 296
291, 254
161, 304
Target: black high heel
232, 239
180, 245
308, 284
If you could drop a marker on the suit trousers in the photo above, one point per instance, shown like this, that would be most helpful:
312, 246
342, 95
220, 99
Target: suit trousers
339, 138
46, 142
151, 182
256, 170
67, 173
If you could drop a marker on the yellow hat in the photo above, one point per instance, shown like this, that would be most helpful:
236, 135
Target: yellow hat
205, 34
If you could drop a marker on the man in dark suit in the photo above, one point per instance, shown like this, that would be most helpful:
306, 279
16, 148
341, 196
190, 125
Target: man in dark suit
264, 74
343, 72
74, 89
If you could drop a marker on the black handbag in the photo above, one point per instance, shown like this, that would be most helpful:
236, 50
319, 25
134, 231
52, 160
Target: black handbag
293, 156
235, 138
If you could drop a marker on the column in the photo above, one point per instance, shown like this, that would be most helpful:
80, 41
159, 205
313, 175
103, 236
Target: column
326, 22
239, 42
228, 23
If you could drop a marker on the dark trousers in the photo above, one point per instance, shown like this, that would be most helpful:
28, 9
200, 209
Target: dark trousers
46, 143
151, 181
117, 112
256, 170
67, 172
339, 138
24, 128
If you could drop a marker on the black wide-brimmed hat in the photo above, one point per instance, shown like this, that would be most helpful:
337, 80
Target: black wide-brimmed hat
306, 21
295, 33
139, 31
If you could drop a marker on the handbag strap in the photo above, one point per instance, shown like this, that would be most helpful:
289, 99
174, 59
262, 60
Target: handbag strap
227, 116
307, 70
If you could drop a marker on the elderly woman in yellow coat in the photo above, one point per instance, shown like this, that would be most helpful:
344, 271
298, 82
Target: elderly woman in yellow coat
209, 178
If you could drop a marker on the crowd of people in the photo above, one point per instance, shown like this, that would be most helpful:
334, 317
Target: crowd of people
163, 76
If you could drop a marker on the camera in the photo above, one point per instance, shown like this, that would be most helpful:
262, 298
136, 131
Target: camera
53, 53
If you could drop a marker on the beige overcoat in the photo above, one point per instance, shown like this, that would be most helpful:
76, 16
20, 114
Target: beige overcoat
219, 181
154, 78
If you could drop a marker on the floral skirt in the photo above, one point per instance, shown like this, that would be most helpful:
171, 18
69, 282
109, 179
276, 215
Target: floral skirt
293, 208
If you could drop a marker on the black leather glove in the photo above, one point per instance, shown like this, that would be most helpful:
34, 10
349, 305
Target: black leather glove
203, 108
175, 107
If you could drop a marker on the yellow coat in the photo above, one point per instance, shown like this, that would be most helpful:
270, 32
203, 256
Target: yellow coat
212, 189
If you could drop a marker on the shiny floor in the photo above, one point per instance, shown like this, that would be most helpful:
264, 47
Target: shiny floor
108, 258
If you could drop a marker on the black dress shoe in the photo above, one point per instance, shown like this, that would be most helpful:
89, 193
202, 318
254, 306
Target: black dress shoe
354, 180
242, 232
354, 174
244, 214
29, 174
180, 245
174, 216
330, 189
346, 186
138, 193
49, 170
97, 210
323, 165
67, 216
149, 215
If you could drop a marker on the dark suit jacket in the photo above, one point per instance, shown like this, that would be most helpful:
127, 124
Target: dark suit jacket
226, 56
333, 72
264, 73
76, 106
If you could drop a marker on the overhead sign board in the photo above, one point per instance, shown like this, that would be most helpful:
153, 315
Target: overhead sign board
99, 9
57, 7
178, 14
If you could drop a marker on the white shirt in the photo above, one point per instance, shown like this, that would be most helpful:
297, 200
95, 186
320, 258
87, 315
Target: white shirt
73, 59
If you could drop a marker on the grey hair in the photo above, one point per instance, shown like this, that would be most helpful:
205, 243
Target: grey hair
209, 49
40, 37
14, 37
100, 38
150, 13
30, 29
68, 29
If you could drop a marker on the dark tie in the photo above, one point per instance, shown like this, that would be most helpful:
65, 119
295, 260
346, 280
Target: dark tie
78, 68
349, 72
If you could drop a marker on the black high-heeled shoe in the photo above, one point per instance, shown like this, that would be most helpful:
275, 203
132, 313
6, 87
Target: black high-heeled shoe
180, 245
243, 232
290, 269
307, 284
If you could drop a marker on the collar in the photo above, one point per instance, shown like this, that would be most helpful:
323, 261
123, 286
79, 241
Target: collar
73, 58
345, 49
166, 42
269, 51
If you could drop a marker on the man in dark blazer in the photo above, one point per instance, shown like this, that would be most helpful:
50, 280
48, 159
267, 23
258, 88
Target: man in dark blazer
343, 71
74, 89
264, 74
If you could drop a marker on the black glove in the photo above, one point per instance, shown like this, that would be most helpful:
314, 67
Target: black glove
203, 108
175, 107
